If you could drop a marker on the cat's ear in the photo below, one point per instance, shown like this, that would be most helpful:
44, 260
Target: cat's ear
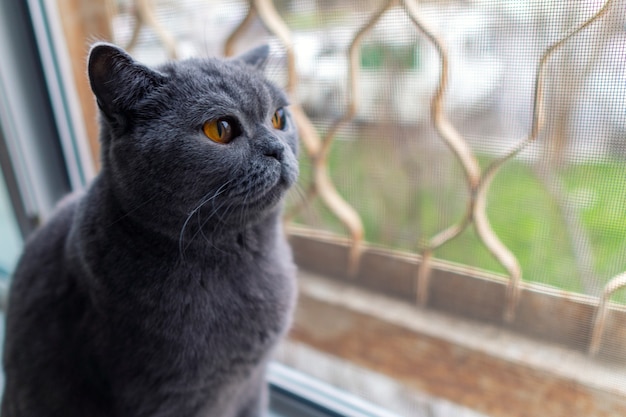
256, 57
117, 81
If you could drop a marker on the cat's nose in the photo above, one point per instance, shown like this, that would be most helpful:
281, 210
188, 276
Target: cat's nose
274, 150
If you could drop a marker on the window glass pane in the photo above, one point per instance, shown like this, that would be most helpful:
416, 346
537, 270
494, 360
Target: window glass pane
10, 237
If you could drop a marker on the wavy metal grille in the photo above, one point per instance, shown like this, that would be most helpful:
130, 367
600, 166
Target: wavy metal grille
477, 180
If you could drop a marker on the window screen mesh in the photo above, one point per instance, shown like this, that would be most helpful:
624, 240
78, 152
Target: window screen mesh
558, 205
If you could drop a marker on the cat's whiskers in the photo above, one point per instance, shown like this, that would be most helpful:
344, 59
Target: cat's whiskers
200, 230
298, 195
242, 212
298, 200
215, 212
200, 225
134, 209
220, 217
207, 198
204, 222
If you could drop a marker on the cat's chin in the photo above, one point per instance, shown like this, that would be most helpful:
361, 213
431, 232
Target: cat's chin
267, 202
271, 195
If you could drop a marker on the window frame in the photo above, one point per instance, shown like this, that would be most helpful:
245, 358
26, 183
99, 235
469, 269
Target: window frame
33, 164
294, 393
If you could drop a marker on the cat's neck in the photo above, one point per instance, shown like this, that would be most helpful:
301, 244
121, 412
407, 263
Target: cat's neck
153, 220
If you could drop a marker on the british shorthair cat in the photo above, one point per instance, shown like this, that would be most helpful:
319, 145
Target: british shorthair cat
162, 289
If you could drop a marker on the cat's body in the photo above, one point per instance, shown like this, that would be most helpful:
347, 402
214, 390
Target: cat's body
162, 290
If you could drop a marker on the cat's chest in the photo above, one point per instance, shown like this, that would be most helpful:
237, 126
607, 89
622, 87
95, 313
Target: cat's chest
250, 298
246, 307
199, 314
221, 324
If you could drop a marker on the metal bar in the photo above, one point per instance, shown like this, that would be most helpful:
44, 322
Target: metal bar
239, 31
478, 182
144, 15
599, 322
483, 228
316, 148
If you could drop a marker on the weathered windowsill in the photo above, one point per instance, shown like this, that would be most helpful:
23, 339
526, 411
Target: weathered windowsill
427, 353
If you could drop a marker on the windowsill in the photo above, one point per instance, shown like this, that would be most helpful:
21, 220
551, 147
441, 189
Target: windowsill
431, 354
296, 394
468, 293
372, 386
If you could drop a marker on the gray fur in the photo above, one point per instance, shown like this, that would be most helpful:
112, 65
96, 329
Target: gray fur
161, 290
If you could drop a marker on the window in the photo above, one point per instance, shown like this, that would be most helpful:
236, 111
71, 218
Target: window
33, 174
460, 248
11, 239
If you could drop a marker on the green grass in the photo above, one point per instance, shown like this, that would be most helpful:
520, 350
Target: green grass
402, 208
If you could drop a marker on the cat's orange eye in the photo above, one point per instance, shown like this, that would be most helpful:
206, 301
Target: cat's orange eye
279, 120
220, 130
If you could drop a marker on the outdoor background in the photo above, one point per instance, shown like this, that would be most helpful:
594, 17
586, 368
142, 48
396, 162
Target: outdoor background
559, 206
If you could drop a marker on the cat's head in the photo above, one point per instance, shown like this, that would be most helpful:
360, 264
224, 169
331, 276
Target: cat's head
205, 137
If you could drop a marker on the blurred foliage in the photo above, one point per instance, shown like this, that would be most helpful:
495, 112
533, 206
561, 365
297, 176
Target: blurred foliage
401, 211
379, 55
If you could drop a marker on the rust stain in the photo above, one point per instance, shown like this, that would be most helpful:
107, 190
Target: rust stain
473, 379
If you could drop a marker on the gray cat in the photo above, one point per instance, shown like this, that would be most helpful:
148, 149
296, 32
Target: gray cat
162, 290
